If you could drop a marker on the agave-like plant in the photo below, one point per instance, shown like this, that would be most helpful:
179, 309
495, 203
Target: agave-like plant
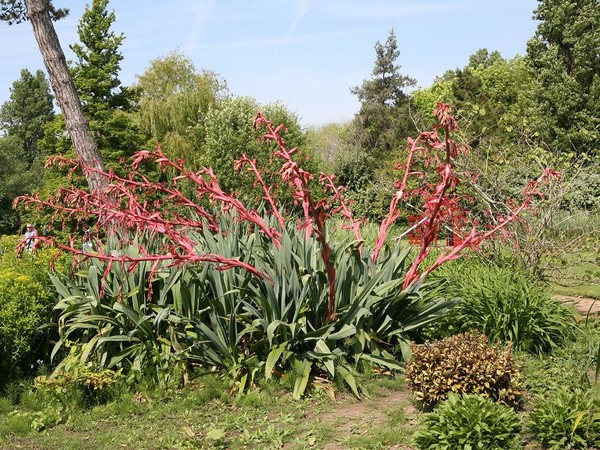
150, 320
374, 315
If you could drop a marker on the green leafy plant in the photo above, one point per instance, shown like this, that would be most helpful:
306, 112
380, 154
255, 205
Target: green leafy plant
73, 380
24, 310
242, 324
464, 364
468, 422
506, 305
567, 419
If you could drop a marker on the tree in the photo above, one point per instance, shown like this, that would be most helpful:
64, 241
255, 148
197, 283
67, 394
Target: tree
491, 94
41, 13
95, 72
174, 99
384, 111
564, 54
15, 180
229, 133
28, 110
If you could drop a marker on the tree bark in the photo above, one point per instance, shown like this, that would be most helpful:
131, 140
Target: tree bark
66, 93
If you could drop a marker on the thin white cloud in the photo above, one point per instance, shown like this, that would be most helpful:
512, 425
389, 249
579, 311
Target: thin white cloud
301, 9
197, 14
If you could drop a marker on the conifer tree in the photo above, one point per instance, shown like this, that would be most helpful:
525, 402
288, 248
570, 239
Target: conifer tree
41, 13
28, 110
96, 70
106, 103
383, 114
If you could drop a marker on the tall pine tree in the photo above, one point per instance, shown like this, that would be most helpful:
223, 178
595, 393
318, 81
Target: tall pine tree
28, 110
106, 103
383, 114
96, 70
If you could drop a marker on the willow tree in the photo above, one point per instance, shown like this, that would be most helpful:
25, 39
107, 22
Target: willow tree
41, 14
174, 100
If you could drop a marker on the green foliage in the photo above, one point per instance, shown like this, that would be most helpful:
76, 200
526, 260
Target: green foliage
383, 117
584, 189
564, 56
567, 419
229, 133
14, 11
468, 422
95, 72
327, 141
246, 326
424, 100
464, 364
16, 178
490, 91
173, 100
24, 309
575, 364
75, 385
505, 305
22, 120
29, 108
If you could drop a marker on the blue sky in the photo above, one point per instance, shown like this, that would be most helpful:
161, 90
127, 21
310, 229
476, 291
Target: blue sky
306, 54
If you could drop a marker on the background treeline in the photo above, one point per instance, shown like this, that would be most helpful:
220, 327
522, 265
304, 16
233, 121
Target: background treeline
517, 114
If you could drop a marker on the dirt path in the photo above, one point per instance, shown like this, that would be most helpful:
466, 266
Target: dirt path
581, 304
361, 416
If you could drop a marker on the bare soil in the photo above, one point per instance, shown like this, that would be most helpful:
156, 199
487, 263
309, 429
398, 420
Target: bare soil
367, 413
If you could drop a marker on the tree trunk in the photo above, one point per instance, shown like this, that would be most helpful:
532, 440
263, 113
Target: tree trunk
65, 91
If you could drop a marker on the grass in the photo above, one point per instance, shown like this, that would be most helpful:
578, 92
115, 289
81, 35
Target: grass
579, 280
204, 415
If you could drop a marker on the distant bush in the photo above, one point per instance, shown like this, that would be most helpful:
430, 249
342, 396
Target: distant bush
463, 364
505, 305
471, 421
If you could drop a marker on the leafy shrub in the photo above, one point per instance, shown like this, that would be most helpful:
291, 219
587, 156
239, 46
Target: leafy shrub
88, 386
505, 305
24, 308
567, 419
26, 301
464, 364
470, 421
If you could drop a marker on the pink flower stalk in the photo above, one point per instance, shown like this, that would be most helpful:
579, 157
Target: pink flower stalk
268, 197
439, 206
350, 223
315, 213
